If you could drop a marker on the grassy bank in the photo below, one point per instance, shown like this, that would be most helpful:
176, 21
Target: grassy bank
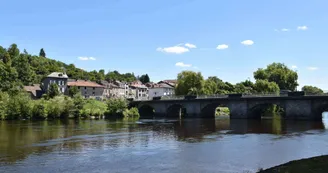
310, 165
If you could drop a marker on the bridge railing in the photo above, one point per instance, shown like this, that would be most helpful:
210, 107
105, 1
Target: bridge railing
212, 96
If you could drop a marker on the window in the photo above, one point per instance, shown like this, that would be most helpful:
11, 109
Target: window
93, 93
78, 87
85, 88
93, 88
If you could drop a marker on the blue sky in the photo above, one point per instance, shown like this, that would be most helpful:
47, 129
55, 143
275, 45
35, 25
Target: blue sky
228, 39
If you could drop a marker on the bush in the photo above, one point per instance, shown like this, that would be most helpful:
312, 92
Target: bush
131, 113
39, 110
4, 99
116, 106
93, 108
19, 106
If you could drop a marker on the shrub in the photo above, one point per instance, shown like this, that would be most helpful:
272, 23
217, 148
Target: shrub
116, 106
39, 110
93, 108
131, 113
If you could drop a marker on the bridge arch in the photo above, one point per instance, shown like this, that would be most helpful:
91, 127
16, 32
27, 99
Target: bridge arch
257, 111
209, 110
146, 111
318, 112
176, 110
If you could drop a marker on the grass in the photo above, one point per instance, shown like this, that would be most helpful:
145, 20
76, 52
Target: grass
311, 165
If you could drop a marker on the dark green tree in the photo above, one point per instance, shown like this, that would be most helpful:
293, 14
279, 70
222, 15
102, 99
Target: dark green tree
144, 78
25, 73
13, 51
312, 90
53, 90
42, 53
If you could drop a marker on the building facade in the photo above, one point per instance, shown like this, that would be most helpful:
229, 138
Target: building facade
58, 78
160, 90
139, 90
88, 89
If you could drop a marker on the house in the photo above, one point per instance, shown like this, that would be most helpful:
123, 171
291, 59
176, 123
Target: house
88, 89
34, 90
161, 89
115, 89
58, 78
139, 90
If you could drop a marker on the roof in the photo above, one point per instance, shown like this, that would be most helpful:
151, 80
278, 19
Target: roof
83, 83
57, 75
162, 85
33, 89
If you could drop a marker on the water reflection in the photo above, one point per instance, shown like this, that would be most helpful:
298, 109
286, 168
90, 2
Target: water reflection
19, 139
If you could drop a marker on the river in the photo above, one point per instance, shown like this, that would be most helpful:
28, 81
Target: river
157, 145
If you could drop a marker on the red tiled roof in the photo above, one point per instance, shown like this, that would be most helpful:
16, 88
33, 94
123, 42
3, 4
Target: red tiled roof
82, 83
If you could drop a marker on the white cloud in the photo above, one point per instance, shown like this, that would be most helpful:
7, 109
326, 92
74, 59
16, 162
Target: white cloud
191, 46
285, 29
247, 42
302, 28
312, 68
294, 67
173, 49
84, 58
181, 64
222, 46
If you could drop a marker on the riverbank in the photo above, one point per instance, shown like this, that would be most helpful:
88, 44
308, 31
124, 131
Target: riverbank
310, 165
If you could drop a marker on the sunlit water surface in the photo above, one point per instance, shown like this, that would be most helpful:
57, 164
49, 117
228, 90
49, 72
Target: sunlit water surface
158, 145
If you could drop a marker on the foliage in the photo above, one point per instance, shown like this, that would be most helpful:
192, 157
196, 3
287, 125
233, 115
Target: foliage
93, 108
312, 90
189, 82
39, 110
116, 106
4, 100
280, 74
266, 87
53, 90
42, 53
144, 78
78, 103
115, 75
131, 113
73, 91
19, 106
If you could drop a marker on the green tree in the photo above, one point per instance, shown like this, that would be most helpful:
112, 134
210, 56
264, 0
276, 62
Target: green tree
42, 53
73, 91
25, 73
13, 51
78, 102
144, 78
188, 81
53, 90
312, 90
116, 106
280, 74
266, 87
8, 78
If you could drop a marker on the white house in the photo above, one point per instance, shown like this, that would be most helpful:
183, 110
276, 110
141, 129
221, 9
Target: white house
161, 89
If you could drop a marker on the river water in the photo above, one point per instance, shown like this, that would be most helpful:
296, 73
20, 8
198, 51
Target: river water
157, 145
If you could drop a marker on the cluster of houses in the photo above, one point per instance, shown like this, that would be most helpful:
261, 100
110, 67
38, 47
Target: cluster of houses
105, 89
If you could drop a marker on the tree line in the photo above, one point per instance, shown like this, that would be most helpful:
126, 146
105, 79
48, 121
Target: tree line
270, 80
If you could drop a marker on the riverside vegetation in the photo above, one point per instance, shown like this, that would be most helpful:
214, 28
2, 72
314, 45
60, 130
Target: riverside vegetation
21, 106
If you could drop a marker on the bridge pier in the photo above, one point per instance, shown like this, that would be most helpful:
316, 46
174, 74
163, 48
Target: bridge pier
193, 109
238, 109
299, 109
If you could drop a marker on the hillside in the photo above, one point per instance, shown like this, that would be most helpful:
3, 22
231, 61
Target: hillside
18, 68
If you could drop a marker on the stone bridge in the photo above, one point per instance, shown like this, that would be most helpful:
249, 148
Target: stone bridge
295, 107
